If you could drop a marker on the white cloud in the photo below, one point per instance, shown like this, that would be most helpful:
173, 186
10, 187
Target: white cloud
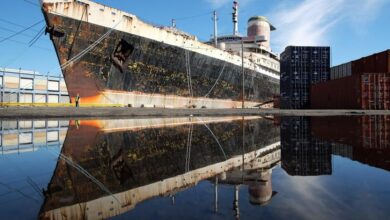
217, 3
311, 21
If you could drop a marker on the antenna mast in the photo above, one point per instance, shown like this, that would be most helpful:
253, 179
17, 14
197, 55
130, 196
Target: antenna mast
215, 18
235, 18
174, 23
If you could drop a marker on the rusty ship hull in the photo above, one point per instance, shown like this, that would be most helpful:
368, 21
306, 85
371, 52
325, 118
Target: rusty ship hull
140, 65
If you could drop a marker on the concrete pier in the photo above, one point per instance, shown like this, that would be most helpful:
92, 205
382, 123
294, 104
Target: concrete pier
124, 112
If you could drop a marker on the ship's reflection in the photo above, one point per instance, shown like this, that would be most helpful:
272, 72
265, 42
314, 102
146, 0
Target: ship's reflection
107, 167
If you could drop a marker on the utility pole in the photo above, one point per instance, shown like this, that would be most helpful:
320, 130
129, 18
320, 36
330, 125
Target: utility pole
215, 18
242, 72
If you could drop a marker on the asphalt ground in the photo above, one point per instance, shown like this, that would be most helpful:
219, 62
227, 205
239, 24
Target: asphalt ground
125, 112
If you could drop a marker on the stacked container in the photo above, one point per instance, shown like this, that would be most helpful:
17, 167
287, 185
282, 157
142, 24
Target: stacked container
367, 87
302, 67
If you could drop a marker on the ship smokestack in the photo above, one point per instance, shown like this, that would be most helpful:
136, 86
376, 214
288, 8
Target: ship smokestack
259, 29
235, 18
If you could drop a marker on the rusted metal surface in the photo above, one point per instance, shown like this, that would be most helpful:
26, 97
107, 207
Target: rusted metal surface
369, 91
131, 64
375, 91
343, 93
376, 63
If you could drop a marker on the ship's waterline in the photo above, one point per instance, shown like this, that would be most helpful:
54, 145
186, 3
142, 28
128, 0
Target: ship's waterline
129, 69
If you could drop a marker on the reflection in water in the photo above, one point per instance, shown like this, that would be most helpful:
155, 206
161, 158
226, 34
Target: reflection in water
257, 175
108, 167
303, 154
365, 139
308, 143
28, 136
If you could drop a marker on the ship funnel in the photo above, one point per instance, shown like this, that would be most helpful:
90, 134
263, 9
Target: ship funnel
259, 28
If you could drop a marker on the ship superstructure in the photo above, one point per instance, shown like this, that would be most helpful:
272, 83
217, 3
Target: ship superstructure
108, 56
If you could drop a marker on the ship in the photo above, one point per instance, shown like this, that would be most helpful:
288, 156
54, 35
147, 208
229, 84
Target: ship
111, 57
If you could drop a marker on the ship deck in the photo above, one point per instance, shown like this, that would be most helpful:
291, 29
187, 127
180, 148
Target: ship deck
124, 112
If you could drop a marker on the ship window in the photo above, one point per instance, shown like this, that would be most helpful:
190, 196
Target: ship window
113, 13
121, 54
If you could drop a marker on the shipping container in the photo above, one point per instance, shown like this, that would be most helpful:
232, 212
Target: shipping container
40, 84
375, 89
340, 71
366, 91
40, 98
376, 63
25, 98
52, 99
30, 87
9, 97
302, 67
26, 84
64, 99
63, 86
11, 82
53, 85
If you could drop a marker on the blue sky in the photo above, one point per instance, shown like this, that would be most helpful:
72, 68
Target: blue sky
353, 28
